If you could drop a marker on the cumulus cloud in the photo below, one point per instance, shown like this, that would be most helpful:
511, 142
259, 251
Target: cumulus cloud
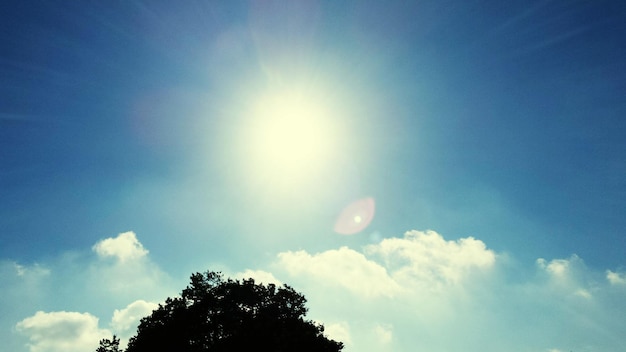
76, 280
417, 292
566, 277
395, 265
423, 292
124, 247
343, 267
73, 331
616, 278
557, 267
427, 258
339, 331
126, 320
132, 275
62, 331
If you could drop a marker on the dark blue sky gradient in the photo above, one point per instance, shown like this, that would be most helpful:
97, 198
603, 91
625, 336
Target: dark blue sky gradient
517, 103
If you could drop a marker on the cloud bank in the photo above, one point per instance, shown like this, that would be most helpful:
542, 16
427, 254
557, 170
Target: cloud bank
418, 292
422, 292
128, 283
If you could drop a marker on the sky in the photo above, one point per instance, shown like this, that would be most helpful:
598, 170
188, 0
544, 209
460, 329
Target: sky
431, 175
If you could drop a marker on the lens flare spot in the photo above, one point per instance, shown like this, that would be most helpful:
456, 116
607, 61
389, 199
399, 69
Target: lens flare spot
355, 217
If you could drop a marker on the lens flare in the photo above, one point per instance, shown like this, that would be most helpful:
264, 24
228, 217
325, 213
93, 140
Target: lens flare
355, 217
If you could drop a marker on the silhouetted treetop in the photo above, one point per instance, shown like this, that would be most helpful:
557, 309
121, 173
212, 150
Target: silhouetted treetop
107, 345
214, 314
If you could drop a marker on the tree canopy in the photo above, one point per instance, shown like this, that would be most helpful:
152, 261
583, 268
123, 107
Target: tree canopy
107, 345
214, 314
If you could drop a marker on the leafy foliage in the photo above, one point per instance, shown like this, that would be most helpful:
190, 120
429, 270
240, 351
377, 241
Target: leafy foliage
214, 314
107, 345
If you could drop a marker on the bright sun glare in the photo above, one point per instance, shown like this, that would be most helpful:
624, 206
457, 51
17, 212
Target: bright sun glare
290, 138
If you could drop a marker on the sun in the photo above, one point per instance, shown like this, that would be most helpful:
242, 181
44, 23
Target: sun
290, 136
291, 131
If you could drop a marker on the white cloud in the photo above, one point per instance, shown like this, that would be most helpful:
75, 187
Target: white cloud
556, 267
342, 267
418, 292
339, 332
131, 276
259, 276
567, 277
427, 259
126, 320
78, 281
422, 292
62, 331
124, 247
616, 278
129, 281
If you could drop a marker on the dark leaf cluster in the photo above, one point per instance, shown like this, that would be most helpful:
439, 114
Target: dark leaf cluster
107, 345
214, 314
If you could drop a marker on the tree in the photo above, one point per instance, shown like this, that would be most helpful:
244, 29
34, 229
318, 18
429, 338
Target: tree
214, 314
107, 345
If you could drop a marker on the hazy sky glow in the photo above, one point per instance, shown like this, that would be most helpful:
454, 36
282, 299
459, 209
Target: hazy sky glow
432, 175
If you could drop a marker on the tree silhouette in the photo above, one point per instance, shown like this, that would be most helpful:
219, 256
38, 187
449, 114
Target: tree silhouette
214, 314
107, 345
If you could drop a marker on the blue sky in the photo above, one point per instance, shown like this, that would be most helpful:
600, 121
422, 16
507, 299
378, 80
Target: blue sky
484, 140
